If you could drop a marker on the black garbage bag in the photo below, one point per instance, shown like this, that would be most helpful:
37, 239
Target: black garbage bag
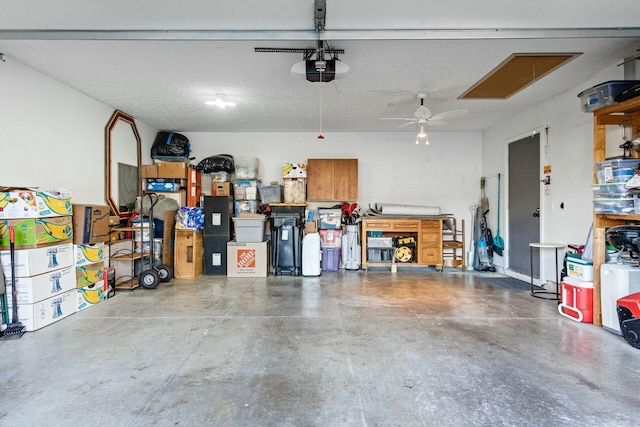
170, 144
217, 163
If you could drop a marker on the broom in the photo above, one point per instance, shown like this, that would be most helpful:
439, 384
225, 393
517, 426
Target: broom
15, 329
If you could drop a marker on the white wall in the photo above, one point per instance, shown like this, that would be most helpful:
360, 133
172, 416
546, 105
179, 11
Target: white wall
52, 136
570, 155
392, 168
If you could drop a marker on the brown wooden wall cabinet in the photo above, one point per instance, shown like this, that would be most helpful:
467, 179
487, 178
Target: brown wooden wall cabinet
332, 180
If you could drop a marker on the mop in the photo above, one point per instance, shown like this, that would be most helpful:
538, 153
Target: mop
15, 329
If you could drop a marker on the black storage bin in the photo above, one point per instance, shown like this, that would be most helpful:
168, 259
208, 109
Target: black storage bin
215, 255
286, 240
217, 215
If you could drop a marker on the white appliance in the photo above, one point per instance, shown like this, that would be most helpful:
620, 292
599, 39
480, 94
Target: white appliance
311, 254
616, 281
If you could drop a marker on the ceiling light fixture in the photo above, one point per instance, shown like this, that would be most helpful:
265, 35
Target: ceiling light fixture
220, 102
422, 135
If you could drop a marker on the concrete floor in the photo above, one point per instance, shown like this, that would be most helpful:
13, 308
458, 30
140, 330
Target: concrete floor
418, 348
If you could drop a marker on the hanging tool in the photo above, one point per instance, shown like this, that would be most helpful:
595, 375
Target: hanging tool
15, 329
498, 242
484, 200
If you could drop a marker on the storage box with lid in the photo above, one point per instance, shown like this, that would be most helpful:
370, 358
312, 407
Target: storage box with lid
621, 206
330, 259
240, 206
330, 218
604, 94
249, 230
616, 170
245, 189
246, 167
579, 268
270, 194
613, 191
379, 242
331, 238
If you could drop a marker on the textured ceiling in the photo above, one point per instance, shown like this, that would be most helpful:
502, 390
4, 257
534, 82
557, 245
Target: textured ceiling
159, 61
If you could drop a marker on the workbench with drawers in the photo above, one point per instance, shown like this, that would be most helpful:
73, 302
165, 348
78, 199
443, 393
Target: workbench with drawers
433, 244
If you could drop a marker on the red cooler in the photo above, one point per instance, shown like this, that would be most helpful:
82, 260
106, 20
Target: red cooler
576, 298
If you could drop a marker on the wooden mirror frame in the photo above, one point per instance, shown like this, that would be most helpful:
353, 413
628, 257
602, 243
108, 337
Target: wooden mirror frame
111, 165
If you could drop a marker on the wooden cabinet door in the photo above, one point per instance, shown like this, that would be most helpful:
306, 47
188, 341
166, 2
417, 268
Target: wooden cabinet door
345, 175
319, 179
332, 179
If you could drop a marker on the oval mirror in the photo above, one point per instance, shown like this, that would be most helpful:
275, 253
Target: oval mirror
122, 163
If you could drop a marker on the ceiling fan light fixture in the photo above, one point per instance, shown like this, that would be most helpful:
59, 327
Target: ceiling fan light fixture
422, 135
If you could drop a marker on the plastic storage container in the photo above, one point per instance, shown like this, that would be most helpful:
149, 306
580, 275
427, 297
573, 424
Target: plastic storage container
250, 206
247, 167
245, 189
330, 218
616, 171
603, 94
331, 238
270, 194
579, 268
614, 206
613, 190
249, 230
330, 259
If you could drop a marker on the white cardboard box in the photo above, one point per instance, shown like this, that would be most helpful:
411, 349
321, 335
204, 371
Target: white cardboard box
45, 312
89, 274
247, 259
89, 254
91, 295
32, 262
43, 286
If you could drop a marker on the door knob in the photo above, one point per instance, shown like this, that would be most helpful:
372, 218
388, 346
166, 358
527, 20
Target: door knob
536, 214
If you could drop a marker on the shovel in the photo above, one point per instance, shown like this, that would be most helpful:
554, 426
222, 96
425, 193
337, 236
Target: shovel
498, 243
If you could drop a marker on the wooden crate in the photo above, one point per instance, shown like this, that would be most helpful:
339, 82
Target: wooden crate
187, 259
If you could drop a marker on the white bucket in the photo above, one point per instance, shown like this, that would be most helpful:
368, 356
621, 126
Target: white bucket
157, 249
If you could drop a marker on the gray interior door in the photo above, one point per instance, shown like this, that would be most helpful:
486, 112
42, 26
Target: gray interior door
524, 204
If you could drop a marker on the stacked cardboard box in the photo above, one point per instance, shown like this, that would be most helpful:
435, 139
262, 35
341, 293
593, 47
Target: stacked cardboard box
43, 260
295, 182
90, 264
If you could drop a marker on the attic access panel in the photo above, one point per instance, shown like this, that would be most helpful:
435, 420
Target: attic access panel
515, 73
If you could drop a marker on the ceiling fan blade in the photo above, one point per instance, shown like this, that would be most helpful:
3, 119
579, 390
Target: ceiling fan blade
449, 114
405, 124
436, 122
396, 118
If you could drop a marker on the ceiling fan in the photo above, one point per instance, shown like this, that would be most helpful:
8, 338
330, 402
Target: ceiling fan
423, 116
